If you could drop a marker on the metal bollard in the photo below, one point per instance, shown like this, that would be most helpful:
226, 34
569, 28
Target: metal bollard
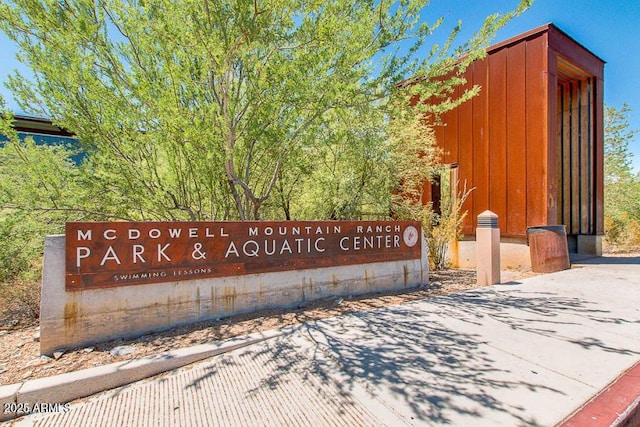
488, 249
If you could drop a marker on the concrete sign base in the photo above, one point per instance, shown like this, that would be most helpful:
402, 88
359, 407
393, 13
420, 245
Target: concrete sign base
70, 319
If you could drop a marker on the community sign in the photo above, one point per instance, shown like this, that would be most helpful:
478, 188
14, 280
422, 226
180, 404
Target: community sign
107, 254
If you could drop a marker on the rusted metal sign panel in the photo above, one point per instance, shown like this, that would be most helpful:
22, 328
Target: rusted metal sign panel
105, 254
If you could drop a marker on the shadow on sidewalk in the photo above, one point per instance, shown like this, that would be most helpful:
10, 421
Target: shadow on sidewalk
401, 353
414, 354
605, 260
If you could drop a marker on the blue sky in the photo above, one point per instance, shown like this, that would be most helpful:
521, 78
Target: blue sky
605, 27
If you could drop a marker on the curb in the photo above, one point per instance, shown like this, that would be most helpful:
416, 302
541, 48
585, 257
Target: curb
630, 417
63, 388
617, 405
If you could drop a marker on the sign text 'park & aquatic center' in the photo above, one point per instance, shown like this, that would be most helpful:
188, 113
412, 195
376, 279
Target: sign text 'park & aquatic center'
105, 254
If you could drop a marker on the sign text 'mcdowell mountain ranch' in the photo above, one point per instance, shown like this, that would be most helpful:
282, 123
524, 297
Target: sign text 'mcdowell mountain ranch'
105, 254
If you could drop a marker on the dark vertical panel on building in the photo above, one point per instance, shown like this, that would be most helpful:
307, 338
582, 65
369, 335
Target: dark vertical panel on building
566, 154
536, 125
590, 165
465, 153
585, 157
575, 157
497, 134
480, 140
599, 155
560, 154
516, 141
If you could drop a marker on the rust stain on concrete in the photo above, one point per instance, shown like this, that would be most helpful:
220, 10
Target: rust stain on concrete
70, 315
212, 296
229, 296
198, 301
169, 309
406, 275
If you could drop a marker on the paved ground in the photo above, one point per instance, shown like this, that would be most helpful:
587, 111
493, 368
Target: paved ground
523, 353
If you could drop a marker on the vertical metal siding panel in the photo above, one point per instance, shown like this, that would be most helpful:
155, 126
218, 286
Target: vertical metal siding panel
497, 134
591, 165
599, 156
480, 141
553, 144
575, 159
465, 154
585, 157
536, 133
451, 134
566, 156
536, 117
560, 153
516, 142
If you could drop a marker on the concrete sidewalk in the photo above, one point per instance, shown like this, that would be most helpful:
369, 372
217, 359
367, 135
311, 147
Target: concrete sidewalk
524, 353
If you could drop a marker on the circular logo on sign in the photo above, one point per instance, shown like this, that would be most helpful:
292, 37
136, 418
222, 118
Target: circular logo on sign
410, 236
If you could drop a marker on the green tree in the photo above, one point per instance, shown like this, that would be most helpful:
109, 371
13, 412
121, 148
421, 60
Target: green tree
415, 162
40, 189
342, 176
193, 109
618, 135
622, 187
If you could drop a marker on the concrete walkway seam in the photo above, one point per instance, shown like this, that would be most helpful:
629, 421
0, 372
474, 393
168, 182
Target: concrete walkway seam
74, 385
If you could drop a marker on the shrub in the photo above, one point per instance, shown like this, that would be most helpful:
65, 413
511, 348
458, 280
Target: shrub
441, 229
19, 301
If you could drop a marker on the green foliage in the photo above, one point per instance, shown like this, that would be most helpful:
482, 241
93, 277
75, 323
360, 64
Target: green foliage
617, 157
622, 187
19, 301
35, 185
23, 167
415, 163
196, 120
40, 190
444, 227
219, 110
339, 178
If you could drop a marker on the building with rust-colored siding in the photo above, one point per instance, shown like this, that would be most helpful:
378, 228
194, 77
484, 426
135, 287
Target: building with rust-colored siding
531, 143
